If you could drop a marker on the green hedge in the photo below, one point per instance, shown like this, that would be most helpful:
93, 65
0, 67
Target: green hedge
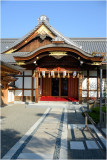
95, 113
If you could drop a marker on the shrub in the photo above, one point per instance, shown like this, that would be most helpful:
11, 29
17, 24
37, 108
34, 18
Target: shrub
95, 113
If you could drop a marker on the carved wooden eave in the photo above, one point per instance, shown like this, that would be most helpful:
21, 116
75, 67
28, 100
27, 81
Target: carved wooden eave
49, 49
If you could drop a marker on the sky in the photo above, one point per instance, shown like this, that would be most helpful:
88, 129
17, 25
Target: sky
71, 18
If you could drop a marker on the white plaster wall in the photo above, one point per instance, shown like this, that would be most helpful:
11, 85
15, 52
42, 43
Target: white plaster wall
92, 73
27, 92
18, 83
28, 72
92, 83
92, 93
18, 92
10, 96
84, 93
33, 93
84, 83
85, 73
27, 82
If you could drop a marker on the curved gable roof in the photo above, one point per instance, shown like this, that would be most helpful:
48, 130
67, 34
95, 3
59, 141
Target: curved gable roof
53, 30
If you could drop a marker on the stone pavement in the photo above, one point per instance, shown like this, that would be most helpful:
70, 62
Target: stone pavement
16, 120
81, 144
58, 134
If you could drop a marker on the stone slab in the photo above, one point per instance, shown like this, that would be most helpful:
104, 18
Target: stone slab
91, 145
78, 145
35, 156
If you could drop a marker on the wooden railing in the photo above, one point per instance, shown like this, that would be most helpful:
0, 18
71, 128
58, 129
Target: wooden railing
104, 118
87, 117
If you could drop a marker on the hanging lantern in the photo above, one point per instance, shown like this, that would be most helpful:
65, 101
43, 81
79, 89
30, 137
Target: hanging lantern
43, 74
64, 74
78, 75
39, 75
33, 75
54, 76
68, 75
49, 75
58, 75
73, 76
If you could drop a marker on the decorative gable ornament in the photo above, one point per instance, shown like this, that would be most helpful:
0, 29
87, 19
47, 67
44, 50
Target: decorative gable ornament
58, 39
58, 55
43, 18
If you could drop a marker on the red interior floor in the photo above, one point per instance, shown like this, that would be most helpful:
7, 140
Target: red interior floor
50, 98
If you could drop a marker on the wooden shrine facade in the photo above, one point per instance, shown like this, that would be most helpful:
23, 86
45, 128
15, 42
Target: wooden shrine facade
53, 65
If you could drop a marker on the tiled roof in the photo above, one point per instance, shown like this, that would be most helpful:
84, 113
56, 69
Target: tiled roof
5, 43
91, 45
16, 67
10, 57
7, 58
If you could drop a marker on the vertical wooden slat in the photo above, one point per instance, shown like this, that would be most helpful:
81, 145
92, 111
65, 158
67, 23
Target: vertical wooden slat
70, 86
97, 83
23, 87
60, 87
87, 85
80, 89
32, 86
36, 87
51, 86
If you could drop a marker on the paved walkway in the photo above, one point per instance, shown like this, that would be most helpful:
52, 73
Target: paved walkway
81, 144
47, 138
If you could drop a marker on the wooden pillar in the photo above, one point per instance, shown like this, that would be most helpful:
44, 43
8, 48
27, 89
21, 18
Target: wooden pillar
97, 84
87, 85
32, 86
36, 87
23, 87
80, 88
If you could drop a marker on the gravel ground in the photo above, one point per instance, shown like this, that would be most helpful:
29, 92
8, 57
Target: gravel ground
16, 120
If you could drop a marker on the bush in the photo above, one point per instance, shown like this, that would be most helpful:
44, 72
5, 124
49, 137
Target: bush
94, 116
95, 113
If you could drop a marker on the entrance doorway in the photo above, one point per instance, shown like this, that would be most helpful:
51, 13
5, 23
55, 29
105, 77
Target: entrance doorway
55, 87
59, 87
64, 87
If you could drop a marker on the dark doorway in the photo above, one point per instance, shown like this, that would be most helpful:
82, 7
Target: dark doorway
55, 87
64, 87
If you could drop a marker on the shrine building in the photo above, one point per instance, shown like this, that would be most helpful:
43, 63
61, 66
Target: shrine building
44, 65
